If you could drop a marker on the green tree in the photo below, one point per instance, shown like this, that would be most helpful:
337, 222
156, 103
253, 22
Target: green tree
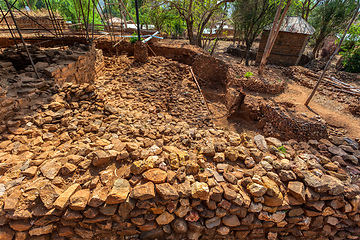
353, 38
331, 17
195, 13
351, 50
303, 8
250, 17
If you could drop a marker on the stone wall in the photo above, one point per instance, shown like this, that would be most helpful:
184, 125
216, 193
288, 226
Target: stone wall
55, 67
284, 124
224, 185
85, 69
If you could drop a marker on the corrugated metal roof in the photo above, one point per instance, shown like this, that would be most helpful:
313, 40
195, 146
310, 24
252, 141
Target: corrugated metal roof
295, 25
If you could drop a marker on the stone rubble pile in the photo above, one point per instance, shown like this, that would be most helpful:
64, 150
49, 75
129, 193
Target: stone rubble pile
119, 160
161, 87
78, 64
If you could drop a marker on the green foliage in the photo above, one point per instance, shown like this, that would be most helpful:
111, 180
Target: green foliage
303, 8
165, 20
195, 14
248, 74
250, 18
134, 38
351, 61
351, 50
331, 17
352, 39
282, 149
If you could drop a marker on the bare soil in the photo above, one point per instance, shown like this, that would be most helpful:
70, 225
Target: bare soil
337, 115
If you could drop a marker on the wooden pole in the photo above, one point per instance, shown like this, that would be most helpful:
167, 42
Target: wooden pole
137, 19
279, 26
201, 92
28, 4
93, 22
22, 39
84, 19
273, 34
122, 3
7, 24
332, 56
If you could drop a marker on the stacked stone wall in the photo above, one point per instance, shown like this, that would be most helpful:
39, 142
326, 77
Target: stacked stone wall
80, 67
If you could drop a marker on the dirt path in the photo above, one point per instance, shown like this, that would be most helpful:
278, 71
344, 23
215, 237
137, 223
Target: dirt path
336, 114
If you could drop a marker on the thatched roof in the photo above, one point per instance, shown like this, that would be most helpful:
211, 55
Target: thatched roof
295, 25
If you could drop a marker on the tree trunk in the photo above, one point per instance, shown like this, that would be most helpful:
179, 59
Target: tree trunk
333, 55
194, 39
247, 54
198, 40
234, 40
273, 35
317, 46
190, 34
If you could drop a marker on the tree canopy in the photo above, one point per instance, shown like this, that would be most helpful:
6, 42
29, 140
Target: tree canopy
250, 18
331, 17
173, 17
196, 14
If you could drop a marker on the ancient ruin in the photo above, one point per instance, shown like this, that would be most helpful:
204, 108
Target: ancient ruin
124, 142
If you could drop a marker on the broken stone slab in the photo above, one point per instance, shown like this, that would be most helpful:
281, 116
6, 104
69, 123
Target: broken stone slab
52, 71
231, 221
99, 158
48, 194
50, 169
261, 143
143, 192
200, 190
315, 182
11, 201
63, 200
38, 231
256, 189
334, 150
98, 196
155, 175
273, 141
119, 192
40, 66
79, 200
167, 191
297, 189
335, 186
165, 218
213, 222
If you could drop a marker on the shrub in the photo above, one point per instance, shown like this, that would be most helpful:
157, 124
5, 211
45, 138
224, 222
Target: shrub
248, 74
134, 38
282, 149
352, 61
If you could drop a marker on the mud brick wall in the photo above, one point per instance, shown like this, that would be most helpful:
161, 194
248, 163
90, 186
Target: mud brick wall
286, 50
